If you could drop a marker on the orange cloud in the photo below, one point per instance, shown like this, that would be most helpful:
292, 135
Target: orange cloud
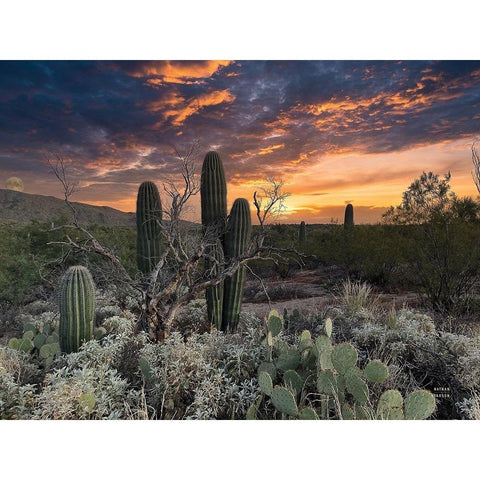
180, 113
169, 71
267, 150
170, 99
351, 113
345, 105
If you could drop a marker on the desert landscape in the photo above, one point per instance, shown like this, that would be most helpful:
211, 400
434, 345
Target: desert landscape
290, 258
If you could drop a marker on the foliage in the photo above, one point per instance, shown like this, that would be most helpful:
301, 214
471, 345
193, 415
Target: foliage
206, 376
17, 392
442, 250
428, 198
355, 298
31, 264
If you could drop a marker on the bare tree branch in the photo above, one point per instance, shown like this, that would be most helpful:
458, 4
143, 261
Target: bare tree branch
270, 202
476, 166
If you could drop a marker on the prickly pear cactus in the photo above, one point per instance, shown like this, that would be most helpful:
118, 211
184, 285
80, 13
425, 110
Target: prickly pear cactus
284, 401
344, 356
288, 360
265, 383
419, 405
293, 381
76, 301
342, 387
269, 368
376, 371
326, 382
22, 344
275, 323
328, 327
390, 406
307, 413
40, 340
357, 387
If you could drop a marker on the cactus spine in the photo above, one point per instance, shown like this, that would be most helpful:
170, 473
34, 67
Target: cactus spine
235, 244
213, 192
149, 217
348, 222
77, 308
302, 233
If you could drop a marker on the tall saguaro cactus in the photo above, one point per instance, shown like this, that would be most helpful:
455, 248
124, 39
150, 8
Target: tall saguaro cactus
348, 222
302, 233
237, 236
149, 217
213, 192
76, 301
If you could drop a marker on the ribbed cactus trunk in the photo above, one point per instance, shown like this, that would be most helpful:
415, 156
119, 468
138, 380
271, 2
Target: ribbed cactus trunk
213, 192
302, 233
348, 222
236, 242
149, 218
76, 301
348, 232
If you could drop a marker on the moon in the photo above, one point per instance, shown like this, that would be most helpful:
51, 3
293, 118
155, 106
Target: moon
14, 183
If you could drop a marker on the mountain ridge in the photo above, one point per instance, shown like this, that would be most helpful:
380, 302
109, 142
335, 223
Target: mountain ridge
20, 207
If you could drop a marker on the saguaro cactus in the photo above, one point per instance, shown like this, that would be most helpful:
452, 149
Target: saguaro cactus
348, 222
236, 242
213, 192
76, 301
149, 217
302, 233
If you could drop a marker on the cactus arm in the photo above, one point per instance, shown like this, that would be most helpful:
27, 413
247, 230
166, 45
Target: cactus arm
236, 242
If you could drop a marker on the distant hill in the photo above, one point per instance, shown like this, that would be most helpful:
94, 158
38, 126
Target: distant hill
19, 207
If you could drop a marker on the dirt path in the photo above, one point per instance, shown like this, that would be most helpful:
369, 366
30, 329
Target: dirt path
309, 291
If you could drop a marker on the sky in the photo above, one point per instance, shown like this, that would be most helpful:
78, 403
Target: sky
335, 132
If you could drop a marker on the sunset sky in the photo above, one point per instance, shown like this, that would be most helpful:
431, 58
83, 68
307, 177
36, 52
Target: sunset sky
334, 131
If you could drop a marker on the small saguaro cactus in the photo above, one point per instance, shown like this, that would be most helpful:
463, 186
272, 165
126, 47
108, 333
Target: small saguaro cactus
348, 222
149, 218
213, 193
235, 244
302, 233
76, 301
